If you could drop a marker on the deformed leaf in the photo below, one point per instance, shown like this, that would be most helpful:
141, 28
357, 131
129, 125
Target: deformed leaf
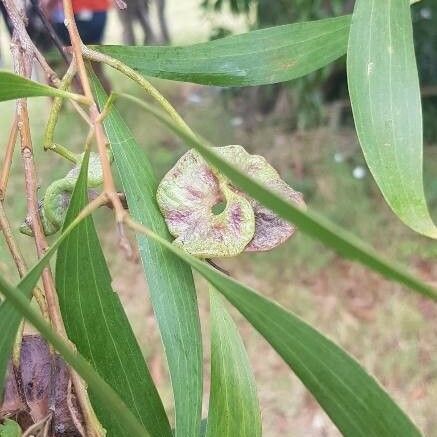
189, 192
187, 196
270, 229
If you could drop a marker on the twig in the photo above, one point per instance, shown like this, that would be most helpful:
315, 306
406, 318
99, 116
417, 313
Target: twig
26, 42
22, 67
38, 294
23, 37
108, 181
7, 161
50, 30
140, 80
217, 267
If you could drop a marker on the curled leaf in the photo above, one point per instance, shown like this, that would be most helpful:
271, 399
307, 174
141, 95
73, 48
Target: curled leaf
187, 196
53, 208
212, 218
270, 230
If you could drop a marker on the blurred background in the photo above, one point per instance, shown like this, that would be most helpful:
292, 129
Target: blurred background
305, 129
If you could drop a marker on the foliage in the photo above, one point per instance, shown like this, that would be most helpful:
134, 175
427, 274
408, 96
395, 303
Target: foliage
385, 97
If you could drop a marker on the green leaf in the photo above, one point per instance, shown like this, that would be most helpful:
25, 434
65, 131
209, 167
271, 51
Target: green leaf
14, 87
309, 222
385, 96
170, 281
233, 403
20, 303
260, 57
17, 305
354, 400
10, 428
10, 318
96, 323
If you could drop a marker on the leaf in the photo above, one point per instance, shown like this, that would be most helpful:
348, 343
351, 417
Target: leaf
353, 399
96, 323
170, 281
20, 303
14, 87
309, 222
277, 54
10, 428
385, 95
233, 403
17, 305
10, 318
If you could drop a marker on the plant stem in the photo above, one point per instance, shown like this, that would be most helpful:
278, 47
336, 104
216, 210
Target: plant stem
7, 161
22, 64
141, 81
108, 181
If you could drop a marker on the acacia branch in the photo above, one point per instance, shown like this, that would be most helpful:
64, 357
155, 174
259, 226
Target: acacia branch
7, 161
108, 180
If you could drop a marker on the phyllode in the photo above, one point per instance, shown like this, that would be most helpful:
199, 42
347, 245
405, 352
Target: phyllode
190, 192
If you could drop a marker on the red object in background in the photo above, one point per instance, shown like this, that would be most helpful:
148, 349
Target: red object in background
90, 5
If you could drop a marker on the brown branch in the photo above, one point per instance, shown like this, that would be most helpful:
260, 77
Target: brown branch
22, 66
38, 294
50, 30
108, 180
7, 161
16, 16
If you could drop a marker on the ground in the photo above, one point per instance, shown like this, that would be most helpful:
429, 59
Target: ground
391, 331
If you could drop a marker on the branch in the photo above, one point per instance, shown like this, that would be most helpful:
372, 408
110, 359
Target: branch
7, 161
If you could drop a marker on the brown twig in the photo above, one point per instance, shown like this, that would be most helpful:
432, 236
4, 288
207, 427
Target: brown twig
22, 66
22, 63
17, 19
108, 180
19, 260
50, 30
7, 161
16, 16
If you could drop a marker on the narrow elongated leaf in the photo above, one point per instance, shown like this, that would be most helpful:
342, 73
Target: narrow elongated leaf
13, 87
353, 399
308, 221
170, 281
96, 323
20, 303
385, 96
10, 318
260, 57
233, 403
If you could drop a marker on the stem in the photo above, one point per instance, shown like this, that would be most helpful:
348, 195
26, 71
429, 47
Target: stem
22, 65
56, 107
141, 81
108, 181
26, 42
50, 30
7, 161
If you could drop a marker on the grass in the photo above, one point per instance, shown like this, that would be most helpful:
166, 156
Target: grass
391, 332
